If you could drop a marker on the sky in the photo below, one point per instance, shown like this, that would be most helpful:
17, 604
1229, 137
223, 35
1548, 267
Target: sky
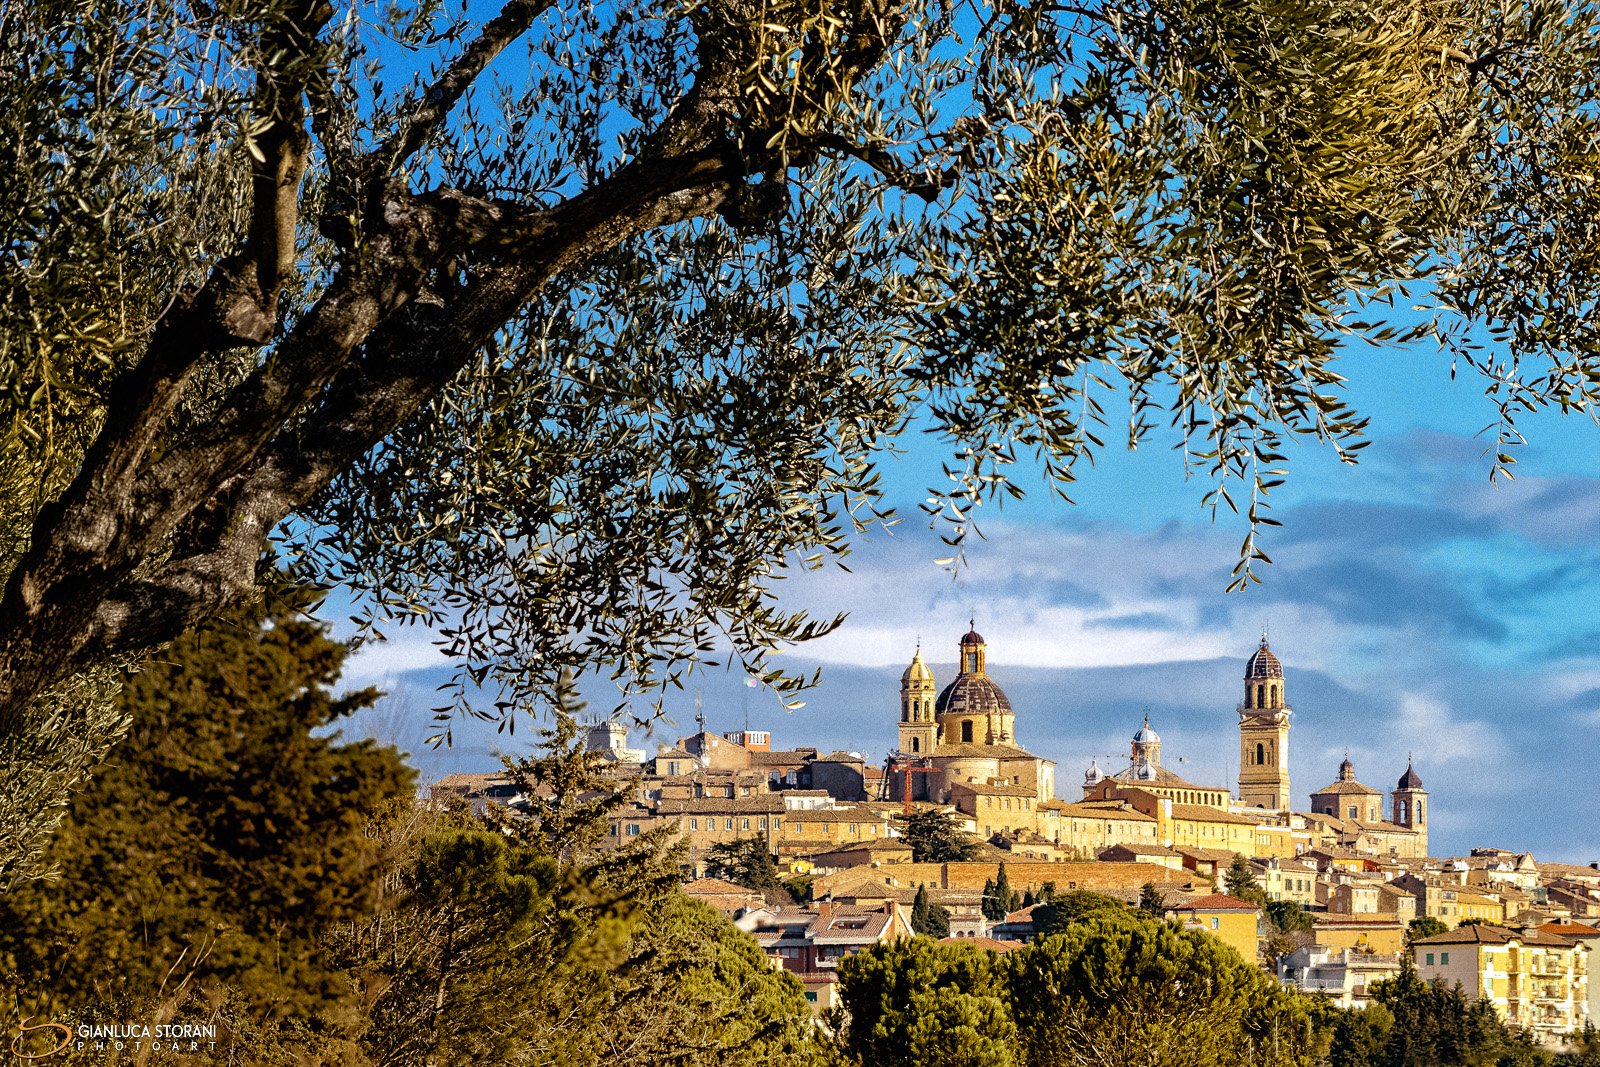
1420, 612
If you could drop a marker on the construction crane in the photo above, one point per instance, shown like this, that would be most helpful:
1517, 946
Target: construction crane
911, 767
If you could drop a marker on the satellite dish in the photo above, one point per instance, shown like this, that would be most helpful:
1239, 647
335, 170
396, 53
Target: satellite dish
855, 755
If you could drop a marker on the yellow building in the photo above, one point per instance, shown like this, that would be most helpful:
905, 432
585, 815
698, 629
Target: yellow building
1231, 920
1089, 827
1534, 979
1286, 879
1181, 825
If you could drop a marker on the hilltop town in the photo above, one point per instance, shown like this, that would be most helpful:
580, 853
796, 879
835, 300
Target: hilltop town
1330, 897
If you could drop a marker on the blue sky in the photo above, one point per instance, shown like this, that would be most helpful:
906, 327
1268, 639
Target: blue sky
1418, 610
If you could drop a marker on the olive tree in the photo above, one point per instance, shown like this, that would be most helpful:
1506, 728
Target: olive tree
566, 331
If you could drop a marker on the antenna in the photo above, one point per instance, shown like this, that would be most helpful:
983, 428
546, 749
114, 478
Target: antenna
699, 709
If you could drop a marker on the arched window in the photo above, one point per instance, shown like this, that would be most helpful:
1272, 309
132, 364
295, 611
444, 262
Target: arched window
966, 729
916, 744
1260, 689
1261, 754
1277, 695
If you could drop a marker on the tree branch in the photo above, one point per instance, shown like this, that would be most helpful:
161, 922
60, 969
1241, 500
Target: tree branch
440, 97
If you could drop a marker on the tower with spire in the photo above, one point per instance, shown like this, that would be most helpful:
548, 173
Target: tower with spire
1411, 806
1264, 733
919, 733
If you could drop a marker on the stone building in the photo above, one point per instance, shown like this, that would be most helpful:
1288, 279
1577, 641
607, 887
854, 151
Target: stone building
966, 735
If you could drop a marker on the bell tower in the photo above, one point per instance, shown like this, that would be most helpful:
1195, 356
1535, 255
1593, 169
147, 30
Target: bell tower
1411, 806
918, 730
1264, 733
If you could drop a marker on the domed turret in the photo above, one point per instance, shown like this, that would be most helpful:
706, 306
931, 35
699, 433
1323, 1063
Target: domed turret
1262, 664
1347, 770
1147, 745
917, 672
1094, 775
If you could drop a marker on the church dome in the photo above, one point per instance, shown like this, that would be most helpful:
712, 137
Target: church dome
1146, 736
1263, 664
917, 672
1145, 772
972, 694
1094, 776
972, 637
1410, 779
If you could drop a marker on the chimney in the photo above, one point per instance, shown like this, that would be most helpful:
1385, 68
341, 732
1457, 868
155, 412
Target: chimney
825, 909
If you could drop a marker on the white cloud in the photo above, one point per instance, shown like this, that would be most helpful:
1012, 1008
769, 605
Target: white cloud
378, 661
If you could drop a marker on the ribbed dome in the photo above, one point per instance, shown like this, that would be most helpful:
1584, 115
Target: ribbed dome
1263, 664
972, 694
1146, 735
972, 637
917, 672
1347, 771
1094, 776
1410, 779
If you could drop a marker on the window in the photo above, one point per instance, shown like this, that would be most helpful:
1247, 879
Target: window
694, 824
744, 824
966, 729
763, 824
727, 824
1261, 754
1215, 922
852, 827
672, 768
613, 829
1444, 958
812, 997
916, 744
1430, 959
633, 829
744, 791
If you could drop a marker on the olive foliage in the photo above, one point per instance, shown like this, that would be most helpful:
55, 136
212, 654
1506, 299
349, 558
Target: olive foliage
567, 331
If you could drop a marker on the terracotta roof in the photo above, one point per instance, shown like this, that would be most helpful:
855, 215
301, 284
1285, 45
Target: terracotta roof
1161, 776
713, 886
469, 784
1217, 902
766, 804
1141, 850
994, 790
1347, 787
786, 756
982, 942
1210, 855
1480, 934
1095, 809
854, 813
1202, 813
1570, 930
972, 749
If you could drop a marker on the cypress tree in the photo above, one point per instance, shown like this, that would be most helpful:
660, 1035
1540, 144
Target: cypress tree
1005, 900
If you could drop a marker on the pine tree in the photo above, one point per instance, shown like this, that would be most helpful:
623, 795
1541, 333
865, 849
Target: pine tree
1151, 900
935, 837
224, 833
1240, 880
